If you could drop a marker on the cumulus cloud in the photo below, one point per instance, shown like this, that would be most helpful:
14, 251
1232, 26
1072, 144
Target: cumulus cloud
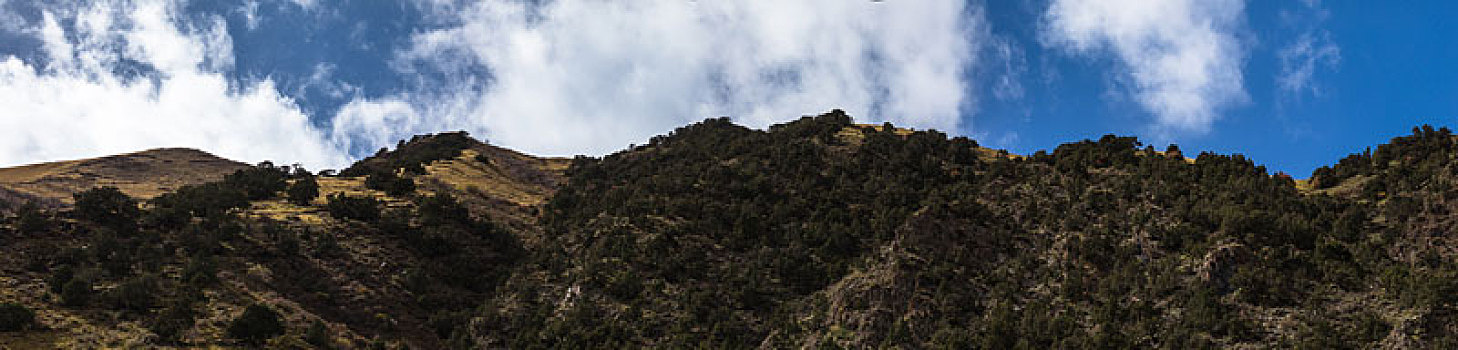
1313, 48
570, 77
117, 77
1181, 59
553, 78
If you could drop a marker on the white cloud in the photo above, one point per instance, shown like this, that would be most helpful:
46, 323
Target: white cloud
564, 77
1312, 48
572, 77
249, 10
1182, 59
1012, 64
1300, 59
77, 105
306, 4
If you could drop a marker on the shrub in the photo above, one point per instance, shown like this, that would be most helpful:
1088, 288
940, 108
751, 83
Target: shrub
442, 209
76, 292
109, 207
326, 244
318, 336
257, 323
259, 182
390, 183
445, 323
414, 154
176, 318
59, 276
303, 191
205, 200
15, 317
201, 271
354, 208
32, 220
136, 294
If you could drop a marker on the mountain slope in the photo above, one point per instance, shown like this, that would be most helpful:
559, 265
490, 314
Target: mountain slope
820, 233
817, 233
142, 174
207, 251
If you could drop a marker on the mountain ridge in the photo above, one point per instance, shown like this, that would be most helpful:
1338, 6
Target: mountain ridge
814, 233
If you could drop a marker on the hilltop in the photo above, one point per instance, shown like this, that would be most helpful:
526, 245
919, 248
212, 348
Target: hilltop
144, 174
816, 233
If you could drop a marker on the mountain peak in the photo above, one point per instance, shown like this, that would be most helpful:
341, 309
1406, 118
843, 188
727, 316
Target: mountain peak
142, 174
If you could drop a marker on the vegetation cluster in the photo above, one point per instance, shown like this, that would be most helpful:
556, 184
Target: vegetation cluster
817, 233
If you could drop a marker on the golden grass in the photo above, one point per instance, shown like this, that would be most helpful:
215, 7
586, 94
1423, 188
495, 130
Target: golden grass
1304, 186
280, 209
142, 175
466, 173
1349, 188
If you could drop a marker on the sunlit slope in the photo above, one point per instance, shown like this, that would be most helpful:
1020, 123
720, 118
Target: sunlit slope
144, 174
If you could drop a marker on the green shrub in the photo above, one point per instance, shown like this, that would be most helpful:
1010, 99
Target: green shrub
413, 155
318, 336
137, 294
445, 323
76, 292
59, 276
390, 183
15, 317
326, 245
175, 319
442, 209
201, 271
109, 207
205, 200
256, 324
303, 191
263, 181
345, 207
32, 220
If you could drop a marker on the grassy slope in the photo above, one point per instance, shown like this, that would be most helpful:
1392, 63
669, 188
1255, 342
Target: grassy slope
144, 174
364, 278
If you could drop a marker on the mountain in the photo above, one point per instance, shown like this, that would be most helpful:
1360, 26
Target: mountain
144, 174
816, 233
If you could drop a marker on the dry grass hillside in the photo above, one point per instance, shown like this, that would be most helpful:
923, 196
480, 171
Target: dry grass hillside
359, 281
501, 173
144, 174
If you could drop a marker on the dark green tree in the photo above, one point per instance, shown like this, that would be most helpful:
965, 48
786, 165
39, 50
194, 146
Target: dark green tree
108, 206
390, 183
303, 191
257, 324
31, 219
76, 292
263, 181
15, 317
177, 317
346, 207
318, 336
136, 294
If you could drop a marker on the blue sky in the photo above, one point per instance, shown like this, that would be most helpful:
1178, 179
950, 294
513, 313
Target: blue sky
1293, 84
1393, 71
